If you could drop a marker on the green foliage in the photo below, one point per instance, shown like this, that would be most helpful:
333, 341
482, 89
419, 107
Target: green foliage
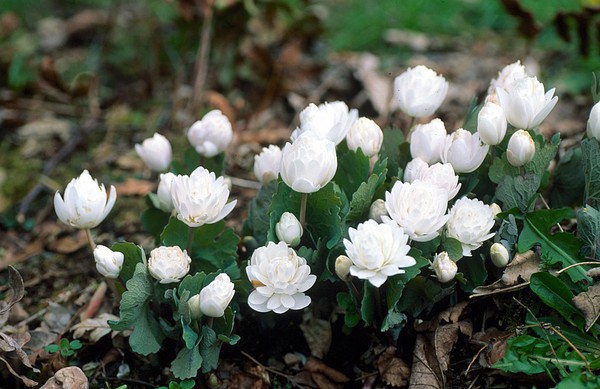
590, 149
185, 384
65, 347
257, 223
588, 229
364, 195
391, 150
353, 169
569, 181
133, 255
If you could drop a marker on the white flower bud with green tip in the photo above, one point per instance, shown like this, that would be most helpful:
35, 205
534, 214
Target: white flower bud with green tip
267, 164
470, 223
211, 135
464, 151
156, 152
326, 121
499, 255
85, 203
200, 198
378, 251
216, 296
194, 306
108, 262
342, 267
420, 91
491, 124
169, 264
164, 192
593, 123
309, 163
366, 135
280, 278
377, 210
444, 267
521, 148
427, 141
495, 209
288, 229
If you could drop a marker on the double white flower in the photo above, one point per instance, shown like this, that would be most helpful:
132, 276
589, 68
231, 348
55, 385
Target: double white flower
156, 152
464, 151
420, 91
216, 296
326, 121
366, 135
470, 223
427, 141
211, 135
520, 149
441, 175
200, 199
85, 202
378, 251
267, 164
280, 277
168, 264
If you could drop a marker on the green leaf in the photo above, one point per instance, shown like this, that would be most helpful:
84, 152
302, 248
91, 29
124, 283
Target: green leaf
133, 254
363, 197
420, 294
52, 348
75, 344
368, 304
579, 380
501, 169
591, 169
569, 180
390, 149
154, 221
518, 192
210, 347
187, 363
560, 248
353, 169
348, 306
453, 247
146, 337
257, 223
588, 228
192, 284
555, 294
474, 272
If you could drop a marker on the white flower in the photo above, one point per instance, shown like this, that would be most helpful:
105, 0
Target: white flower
378, 251
155, 152
327, 121
442, 176
342, 267
427, 141
470, 223
414, 169
520, 149
211, 135
377, 210
216, 296
164, 192
267, 164
169, 264
200, 199
420, 91
85, 203
288, 229
419, 208
464, 151
444, 267
280, 277
308, 164
108, 262
194, 305
499, 255
366, 135
524, 102
507, 76
593, 123
491, 124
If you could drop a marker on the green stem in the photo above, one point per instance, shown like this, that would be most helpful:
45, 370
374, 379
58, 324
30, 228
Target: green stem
90, 239
303, 201
408, 131
190, 241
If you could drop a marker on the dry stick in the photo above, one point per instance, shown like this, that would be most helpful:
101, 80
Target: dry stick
267, 368
201, 66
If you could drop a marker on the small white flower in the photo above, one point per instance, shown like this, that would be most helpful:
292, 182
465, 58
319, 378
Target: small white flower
211, 135
342, 267
499, 255
280, 277
169, 264
419, 208
520, 149
593, 123
164, 192
108, 262
442, 176
420, 91
414, 169
366, 135
156, 152
427, 141
267, 164
464, 151
378, 251
507, 76
491, 124
525, 103
327, 121
216, 296
309, 163
470, 223
377, 210
85, 202
288, 229
200, 199
444, 267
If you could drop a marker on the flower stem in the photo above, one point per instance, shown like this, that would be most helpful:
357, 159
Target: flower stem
88, 233
408, 131
190, 241
303, 200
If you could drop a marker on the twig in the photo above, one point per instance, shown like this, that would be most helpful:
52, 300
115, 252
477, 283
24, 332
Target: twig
243, 183
203, 52
498, 291
578, 264
267, 368
128, 380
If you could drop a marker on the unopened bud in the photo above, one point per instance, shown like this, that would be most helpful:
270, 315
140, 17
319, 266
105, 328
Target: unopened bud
495, 209
377, 210
342, 267
288, 229
499, 255
194, 306
445, 268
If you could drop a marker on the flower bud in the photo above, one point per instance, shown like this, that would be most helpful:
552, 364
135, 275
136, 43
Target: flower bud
491, 124
194, 306
366, 135
211, 135
164, 192
216, 296
521, 148
414, 169
507, 76
593, 123
288, 229
420, 91
445, 268
342, 267
108, 262
427, 141
499, 255
326, 121
267, 164
495, 209
377, 210
169, 264
156, 152
464, 151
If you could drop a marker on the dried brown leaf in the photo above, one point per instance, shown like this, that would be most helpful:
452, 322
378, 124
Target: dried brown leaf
518, 271
393, 370
314, 365
317, 333
133, 187
70, 377
28, 382
425, 372
589, 304
15, 284
94, 328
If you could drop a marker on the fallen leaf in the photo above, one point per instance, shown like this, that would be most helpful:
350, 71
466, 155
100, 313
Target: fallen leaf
94, 328
314, 365
589, 304
393, 370
425, 372
15, 283
70, 377
517, 272
69, 244
133, 187
317, 333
